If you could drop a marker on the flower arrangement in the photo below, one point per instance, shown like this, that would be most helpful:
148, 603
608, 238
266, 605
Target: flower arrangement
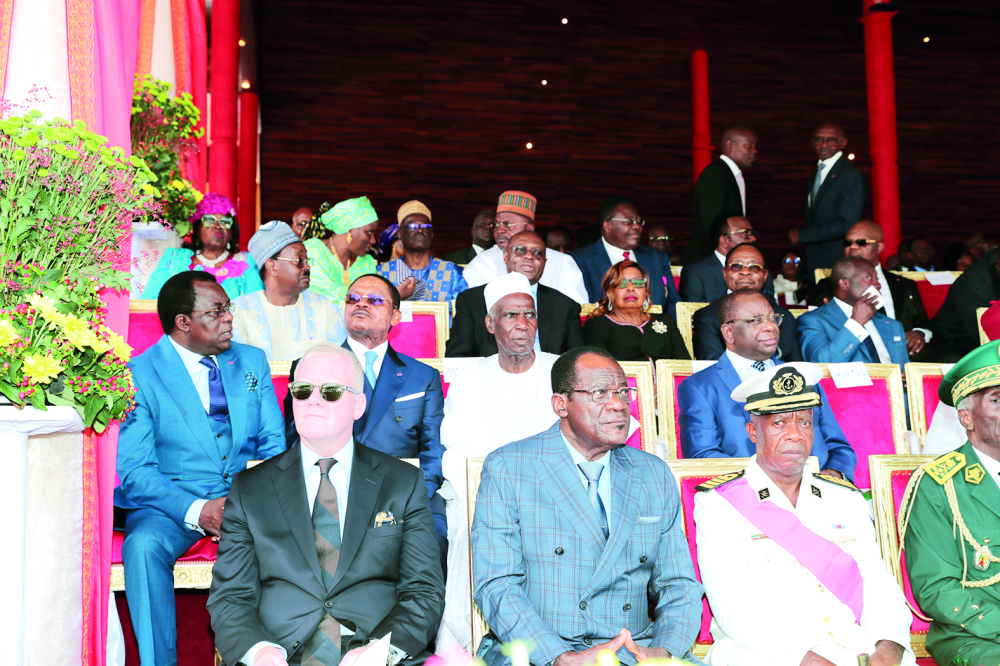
66, 201
180, 200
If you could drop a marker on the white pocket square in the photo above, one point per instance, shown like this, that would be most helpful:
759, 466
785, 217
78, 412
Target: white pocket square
896, 338
412, 396
648, 519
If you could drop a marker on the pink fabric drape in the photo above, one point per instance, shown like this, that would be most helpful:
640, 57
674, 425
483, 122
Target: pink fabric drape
197, 167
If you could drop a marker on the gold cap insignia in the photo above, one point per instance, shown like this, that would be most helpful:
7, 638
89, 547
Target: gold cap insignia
788, 384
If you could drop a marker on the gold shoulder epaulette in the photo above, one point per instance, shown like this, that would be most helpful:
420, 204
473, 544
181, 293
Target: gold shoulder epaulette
717, 481
945, 467
839, 482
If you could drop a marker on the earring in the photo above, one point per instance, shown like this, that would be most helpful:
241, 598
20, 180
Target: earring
610, 306
349, 237
645, 305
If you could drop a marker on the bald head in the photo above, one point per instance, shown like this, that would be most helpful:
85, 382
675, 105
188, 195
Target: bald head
865, 240
525, 254
300, 218
740, 145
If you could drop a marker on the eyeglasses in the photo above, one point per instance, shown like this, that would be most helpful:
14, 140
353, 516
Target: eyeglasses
860, 242
224, 221
535, 252
298, 262
371, 299
602, 396
329, 392
638, 283
653, 239
508, 225
796, 260
217, 312
629, 221
760, 320
753, 268
414, 226
821, 140
746, 233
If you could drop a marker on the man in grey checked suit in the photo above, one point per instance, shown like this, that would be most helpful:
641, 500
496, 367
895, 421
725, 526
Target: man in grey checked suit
577, 538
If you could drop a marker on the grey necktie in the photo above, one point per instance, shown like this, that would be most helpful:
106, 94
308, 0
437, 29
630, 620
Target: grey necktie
592, 470
323, 647
818, 180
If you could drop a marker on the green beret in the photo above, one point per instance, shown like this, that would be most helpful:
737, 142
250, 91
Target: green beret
978, 370
348, 215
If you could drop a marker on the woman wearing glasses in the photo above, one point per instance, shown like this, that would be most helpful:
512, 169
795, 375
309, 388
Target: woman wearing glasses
786, 281
214, 248
622, 323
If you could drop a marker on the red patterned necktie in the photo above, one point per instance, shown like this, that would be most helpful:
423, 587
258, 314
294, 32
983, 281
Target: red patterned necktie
625, 255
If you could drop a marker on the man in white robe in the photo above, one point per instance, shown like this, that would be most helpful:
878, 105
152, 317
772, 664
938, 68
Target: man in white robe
495, 401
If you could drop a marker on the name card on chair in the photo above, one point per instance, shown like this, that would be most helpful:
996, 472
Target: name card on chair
406, 310
849, 375
939, 279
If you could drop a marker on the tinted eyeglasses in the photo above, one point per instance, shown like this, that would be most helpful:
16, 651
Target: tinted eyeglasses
414, 226
746, 233
509, 225
638, 283
601, 396
821, 140
329, 392
860, 242
298, 262
217, 312
224, 221
537, 253
371, 299
753, 268
629, 221
653, 239
760, 320
795, 261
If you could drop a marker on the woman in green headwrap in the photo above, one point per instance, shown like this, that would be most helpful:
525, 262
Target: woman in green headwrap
342, 257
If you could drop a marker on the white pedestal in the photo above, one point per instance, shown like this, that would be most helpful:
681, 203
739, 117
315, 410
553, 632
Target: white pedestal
15, 428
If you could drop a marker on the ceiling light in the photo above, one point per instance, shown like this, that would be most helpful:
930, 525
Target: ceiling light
927, 39
544, 82
528, 145
565, 21
243, 42
851, 156
245, 85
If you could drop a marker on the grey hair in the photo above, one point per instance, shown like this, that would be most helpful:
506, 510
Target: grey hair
330, 349
965, 403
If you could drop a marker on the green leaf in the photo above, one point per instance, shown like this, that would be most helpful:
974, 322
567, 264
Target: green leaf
90, 410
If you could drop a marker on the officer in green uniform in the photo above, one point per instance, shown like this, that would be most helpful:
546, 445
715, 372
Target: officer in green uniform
949, 523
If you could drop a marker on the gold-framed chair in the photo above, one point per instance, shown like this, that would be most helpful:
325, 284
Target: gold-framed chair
669, 375
983, 338
640, 375
685, 322
474, 470
427, 334
922, 383
822, 273
890, 475
797, 312
689, 474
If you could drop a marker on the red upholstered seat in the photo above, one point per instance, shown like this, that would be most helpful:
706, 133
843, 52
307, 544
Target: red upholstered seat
280, 389
417, 338
932, 295
688, 484
204, 550
143, 330
931, 384
899, 480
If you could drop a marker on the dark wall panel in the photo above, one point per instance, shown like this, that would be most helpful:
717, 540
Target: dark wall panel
436, 101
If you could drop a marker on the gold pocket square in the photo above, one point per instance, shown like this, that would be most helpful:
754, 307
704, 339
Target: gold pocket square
384, 518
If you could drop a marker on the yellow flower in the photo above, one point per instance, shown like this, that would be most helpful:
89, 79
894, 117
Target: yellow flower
41, 369
122, 350
78, 332
45, 305
7, 333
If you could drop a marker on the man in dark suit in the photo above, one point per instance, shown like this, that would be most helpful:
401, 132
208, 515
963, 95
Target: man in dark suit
720, 189
404, 396
482, 239
850, 327
713, 425
702, 281
204, 407
621, 229
833, 201
745, 269
576, 542
329, 545
955, 323
559, 327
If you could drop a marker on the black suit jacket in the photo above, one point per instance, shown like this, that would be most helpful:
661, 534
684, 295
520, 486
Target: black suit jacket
837, 207
906, 300
463, 256
709, 344
702, 281
267, 583
559, 327
955, 323
715, 192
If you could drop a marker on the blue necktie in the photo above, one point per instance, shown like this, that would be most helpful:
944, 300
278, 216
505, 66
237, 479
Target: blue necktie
218, 409
592, 470
370, 358
872, 351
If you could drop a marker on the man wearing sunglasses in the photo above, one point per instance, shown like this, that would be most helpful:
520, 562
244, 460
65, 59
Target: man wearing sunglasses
516, 213
834, 199
745, 268
330, 545
704, 281
559, 328
405, 400
621, 234
204, 407
418, 275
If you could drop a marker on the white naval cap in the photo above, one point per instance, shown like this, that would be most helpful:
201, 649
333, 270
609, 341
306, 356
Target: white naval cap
784, 388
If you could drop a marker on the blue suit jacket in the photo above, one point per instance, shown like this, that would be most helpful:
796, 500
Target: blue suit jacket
594, 263
824, 338
543, 572
713, 425
167, 456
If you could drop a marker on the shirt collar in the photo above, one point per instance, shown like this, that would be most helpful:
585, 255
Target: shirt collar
344, 456
767, 490
830, 161
360, 350
189, 358
615, 253
578, 458
720, 257
732, 165
741, 363
991, 464
844, 307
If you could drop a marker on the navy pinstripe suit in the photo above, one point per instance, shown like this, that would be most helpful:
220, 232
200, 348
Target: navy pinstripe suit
543, 572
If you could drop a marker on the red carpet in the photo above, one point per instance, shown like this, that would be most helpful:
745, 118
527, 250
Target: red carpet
195, 641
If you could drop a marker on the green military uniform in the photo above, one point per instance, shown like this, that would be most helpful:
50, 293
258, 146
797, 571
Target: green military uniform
949, 523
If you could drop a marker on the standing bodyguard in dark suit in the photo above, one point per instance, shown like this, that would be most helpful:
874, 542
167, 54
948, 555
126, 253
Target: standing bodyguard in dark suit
329, 545
703, 281
559, 327
404, 397
720, 189
621, 229
833, 201
482, 239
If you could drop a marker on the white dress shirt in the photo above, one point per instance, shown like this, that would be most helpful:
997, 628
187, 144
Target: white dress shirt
992, 466
862, 332
720, 257
829, 162
739, 181
616, 254
890, 305
744, 366
199, 375
603, 484
561, 272
360, 350
477, 249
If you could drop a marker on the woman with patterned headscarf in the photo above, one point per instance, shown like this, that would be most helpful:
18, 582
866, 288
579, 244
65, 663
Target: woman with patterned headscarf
342, 257
214, 248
